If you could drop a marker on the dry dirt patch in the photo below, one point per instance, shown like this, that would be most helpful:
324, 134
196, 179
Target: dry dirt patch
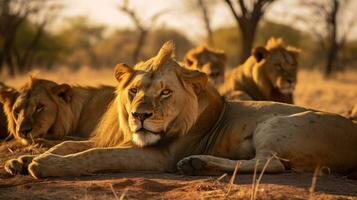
290, 185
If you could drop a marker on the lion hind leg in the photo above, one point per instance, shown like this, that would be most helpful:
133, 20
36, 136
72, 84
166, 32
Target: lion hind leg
211, 165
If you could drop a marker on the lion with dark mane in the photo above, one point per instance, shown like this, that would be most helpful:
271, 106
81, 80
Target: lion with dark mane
269, 74
166, 117
44, 111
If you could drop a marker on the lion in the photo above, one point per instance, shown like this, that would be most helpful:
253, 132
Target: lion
168, 118
208, 60
44, 111
269, 74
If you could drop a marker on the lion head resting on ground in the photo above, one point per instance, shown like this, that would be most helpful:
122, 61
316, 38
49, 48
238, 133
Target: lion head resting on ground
167, 117
47, 110
269, 74
207, 60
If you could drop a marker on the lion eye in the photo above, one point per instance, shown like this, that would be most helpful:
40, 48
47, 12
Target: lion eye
165, 93
133, 91
39, 108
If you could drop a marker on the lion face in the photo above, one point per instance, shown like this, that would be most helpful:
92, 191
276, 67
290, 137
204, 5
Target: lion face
280, 66
209, 61
33, 116
33, 110
157, 97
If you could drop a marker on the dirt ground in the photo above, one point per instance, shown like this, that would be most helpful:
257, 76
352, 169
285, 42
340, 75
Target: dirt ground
336, 95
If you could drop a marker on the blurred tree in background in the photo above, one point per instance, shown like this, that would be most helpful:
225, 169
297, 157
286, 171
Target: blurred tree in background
330, 22
28, 41
22, 27
248, 14
80, 38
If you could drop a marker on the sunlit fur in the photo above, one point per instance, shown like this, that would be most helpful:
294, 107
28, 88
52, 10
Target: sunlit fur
174, 115
208, 60
268, 74
76, 115
195, 124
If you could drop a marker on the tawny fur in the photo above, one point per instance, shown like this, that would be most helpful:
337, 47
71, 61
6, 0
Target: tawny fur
54, 111
265, 75
208, 60
200, 133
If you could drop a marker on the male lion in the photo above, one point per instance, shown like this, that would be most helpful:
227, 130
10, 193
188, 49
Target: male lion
207, 60
269, 74
167, 117
45, 111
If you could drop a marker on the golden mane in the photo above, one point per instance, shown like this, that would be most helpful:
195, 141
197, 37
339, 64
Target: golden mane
274, 43
113, 128
278, 43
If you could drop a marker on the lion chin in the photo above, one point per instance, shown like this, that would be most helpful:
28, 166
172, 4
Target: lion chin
146, 138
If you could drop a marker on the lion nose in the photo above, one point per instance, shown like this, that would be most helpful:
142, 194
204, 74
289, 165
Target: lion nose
141, 116
25, 130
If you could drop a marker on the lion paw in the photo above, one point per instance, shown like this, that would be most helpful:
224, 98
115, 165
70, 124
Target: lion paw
19, 165
51, 165
14, 167
192, 165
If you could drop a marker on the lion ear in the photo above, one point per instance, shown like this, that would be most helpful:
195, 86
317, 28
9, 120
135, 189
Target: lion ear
8, 94
123, 73
260, 53
196, 78
63, 91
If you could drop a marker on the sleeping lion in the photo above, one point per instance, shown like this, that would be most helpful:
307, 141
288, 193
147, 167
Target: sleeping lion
166, 117
47, 112
269, 74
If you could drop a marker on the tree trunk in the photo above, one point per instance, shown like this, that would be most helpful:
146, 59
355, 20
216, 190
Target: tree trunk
139, 45
246, 47
207, 21
333, 47
248, 30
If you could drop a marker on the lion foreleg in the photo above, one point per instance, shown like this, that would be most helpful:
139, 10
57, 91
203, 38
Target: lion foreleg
70, 147
20, 165
99, 160
211, 165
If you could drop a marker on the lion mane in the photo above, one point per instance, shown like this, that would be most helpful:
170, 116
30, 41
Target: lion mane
269, 74
113, 128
